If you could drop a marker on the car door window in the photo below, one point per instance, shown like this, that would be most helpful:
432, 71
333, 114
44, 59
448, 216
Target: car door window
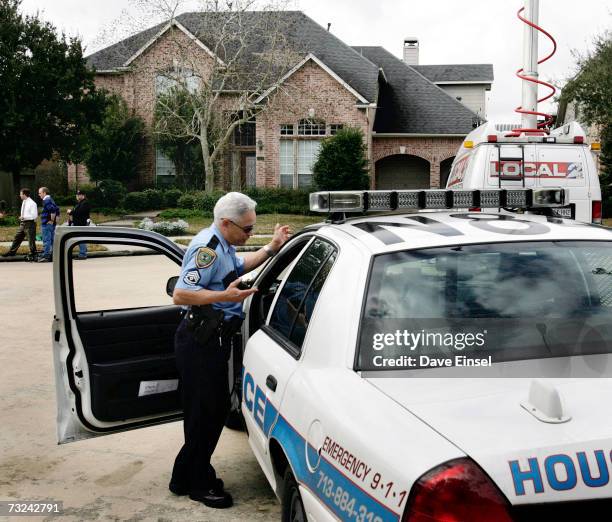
123, 282
294, 306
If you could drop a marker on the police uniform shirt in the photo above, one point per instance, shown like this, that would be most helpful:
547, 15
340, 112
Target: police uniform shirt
211, 263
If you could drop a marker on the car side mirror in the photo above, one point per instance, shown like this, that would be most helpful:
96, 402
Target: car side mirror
171, 284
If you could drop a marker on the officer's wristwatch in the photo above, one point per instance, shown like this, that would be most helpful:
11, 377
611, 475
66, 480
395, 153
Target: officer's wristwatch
269, 251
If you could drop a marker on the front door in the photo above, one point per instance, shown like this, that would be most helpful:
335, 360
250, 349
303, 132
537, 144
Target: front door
113, 332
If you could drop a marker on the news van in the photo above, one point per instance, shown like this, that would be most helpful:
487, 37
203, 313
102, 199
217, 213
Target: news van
492, 159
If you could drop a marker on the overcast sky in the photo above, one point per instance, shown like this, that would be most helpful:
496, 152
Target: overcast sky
449, 31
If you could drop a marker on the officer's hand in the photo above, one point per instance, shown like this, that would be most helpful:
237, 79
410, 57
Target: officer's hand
281, 234
235, 295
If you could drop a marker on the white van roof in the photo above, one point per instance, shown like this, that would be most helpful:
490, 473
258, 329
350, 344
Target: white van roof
489, 133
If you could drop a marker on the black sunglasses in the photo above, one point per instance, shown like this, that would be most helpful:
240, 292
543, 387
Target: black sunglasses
247, 230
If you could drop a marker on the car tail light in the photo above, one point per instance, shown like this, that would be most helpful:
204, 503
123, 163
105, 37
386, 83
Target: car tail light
578, 139
492, 138
475, 209
456, 491
596, 214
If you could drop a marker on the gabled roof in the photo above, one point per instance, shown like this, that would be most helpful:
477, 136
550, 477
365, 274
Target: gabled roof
303, 36
409, 103
311, 57
468, 72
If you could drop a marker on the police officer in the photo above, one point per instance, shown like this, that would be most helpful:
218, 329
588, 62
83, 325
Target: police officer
208, 289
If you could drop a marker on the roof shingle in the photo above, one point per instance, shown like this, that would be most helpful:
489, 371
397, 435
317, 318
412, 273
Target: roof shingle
464, 72
409, 103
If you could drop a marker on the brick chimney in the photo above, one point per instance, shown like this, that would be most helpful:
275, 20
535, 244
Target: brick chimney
411, 50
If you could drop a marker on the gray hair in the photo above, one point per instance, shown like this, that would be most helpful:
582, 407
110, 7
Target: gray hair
232, 206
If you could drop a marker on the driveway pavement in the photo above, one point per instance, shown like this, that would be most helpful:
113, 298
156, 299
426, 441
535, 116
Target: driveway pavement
118, 477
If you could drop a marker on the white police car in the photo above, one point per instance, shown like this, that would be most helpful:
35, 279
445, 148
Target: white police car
362, 348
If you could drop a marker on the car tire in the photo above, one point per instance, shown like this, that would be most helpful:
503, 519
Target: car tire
292, 505
235, 421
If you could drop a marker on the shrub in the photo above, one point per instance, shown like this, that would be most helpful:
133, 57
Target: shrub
207, 201
166, 228
109, 193
155, 198
136, 201
171, 197
280, 200
342, 163
189, 201
9, 221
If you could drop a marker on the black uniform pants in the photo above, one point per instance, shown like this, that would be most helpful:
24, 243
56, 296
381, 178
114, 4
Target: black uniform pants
30, 228
205, 396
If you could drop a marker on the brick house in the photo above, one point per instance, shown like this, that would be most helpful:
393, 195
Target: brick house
413, 117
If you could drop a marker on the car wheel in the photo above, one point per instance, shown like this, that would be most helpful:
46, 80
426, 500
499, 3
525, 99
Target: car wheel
235, 421
292, 505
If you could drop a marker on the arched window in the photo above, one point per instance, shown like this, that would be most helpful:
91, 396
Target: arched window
173, 77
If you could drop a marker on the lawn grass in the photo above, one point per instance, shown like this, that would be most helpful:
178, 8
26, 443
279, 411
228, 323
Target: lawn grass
8, 233
607, 222
254, 241
265, 223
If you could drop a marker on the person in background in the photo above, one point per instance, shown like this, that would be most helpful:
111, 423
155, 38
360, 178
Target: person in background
48, 220
79, 217
27, 224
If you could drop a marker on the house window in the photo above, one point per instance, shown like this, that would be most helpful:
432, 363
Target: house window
296, 161
165, 171
244, 135
309, 127
287, 129
164, 82
335, 127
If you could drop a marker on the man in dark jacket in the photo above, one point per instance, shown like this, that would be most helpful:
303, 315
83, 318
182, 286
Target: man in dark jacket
79, 217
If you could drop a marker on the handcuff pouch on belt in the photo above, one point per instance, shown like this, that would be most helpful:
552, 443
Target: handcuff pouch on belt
204, 322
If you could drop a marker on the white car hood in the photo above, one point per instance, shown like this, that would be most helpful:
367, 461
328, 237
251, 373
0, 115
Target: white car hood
484, 418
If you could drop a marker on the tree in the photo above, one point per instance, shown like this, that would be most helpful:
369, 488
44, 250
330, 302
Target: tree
205, 103
591, 90
342, 162
47, 94
184, 152
113, 146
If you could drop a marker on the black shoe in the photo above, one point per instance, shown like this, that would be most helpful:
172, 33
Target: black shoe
31, 258
8, 254
178, 489
215, 497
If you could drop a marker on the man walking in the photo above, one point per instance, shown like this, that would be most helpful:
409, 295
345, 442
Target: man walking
48, 220
27, 224
79, 217
208, 289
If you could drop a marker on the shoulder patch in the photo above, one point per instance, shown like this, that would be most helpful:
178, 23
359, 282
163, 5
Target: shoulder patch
192, 278
205, 257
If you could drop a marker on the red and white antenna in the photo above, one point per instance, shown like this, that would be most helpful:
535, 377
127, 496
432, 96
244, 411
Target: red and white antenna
529, 72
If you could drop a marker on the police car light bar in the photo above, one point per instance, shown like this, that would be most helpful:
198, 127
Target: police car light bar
390, 200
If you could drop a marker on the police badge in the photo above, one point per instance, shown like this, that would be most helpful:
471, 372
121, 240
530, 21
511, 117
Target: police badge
205, 257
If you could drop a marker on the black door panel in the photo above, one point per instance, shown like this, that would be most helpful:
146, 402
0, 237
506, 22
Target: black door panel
125, 348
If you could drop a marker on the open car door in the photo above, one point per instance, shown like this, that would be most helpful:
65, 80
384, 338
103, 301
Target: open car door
113, 333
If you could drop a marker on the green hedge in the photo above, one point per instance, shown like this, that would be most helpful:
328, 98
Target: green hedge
269, 201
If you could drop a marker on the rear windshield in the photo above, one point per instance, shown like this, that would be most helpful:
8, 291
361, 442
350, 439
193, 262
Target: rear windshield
512, 301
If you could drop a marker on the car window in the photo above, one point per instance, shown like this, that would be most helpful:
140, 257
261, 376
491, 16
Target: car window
294, 306
122, 282
525, 300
